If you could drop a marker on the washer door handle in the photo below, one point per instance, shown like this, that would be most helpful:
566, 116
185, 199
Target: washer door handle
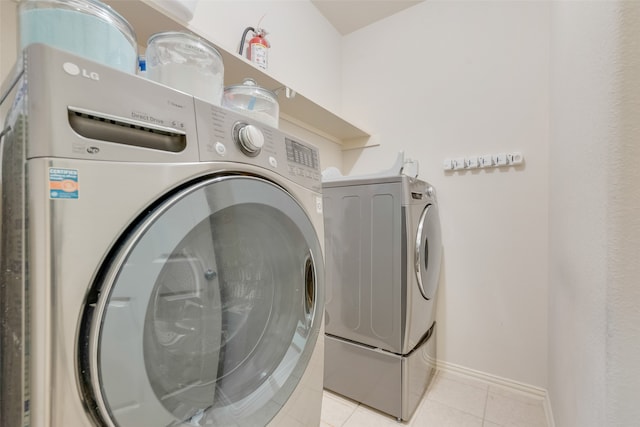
309, 285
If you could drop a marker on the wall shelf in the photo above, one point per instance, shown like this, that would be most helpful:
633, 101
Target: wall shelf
147, 19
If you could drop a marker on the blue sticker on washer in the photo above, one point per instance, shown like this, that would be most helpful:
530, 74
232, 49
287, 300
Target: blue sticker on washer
63, 183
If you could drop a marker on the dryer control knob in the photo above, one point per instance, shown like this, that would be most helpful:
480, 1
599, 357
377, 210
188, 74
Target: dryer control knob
250, 138
430, 191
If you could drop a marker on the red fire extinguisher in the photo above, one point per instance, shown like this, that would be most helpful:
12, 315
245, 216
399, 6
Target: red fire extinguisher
258, 50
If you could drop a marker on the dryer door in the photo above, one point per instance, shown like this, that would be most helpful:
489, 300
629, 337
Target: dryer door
428, 251
208, 312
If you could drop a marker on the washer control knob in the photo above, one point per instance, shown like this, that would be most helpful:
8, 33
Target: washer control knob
249, 137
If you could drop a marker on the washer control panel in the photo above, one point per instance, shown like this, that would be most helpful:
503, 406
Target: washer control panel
225, 135
303, 159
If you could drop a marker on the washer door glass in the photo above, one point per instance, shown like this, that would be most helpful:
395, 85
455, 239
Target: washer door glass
428, 251
209, 314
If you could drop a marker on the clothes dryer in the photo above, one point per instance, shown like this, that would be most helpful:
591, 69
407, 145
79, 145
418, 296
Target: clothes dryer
160, 263
383, 250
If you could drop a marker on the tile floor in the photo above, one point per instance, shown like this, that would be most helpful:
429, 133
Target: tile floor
451, 401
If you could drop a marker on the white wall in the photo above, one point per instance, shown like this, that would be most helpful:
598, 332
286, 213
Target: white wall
8, 37
444, 79
582, 90
594, 223
623, 327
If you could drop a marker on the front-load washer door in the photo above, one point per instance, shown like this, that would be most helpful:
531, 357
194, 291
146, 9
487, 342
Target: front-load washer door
428, 252
209, 311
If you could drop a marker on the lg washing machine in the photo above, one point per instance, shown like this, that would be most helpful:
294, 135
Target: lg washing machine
161, 257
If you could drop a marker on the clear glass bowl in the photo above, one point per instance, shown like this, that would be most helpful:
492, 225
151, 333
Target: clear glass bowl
87, 28
253, 101
186, 62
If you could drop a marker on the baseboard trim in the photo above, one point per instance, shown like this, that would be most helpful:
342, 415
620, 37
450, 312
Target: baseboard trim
527, 389
548, 412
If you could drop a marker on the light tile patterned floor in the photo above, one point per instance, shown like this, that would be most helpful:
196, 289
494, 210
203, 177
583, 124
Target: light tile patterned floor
451, 401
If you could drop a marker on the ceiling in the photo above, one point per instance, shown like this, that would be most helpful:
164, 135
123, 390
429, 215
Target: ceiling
351, 15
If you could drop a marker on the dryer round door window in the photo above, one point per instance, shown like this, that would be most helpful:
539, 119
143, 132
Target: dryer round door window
210, 312
428, 251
